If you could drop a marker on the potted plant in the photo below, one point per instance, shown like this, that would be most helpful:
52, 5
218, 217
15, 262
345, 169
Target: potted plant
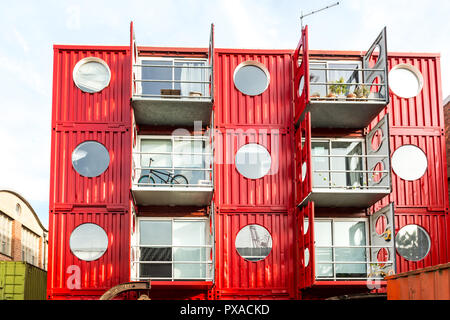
315, 95
338, 88
362, 92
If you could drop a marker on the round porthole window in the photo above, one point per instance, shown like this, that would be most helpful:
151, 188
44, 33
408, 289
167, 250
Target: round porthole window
409, 162
251, 78
405, 80
412, 242
90, 159
88, 242
253, 242
253, 161
91, 75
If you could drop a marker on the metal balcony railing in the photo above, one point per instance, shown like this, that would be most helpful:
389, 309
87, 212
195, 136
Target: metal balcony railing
195, 86
349, 179
204, 266
336, 91
374, 270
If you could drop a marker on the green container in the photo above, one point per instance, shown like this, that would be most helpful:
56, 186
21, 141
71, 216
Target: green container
22, 281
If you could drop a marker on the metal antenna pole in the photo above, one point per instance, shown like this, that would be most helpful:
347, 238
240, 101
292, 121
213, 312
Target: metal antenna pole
308, 14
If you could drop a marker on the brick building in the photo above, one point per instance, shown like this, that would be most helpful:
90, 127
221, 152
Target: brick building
22, 235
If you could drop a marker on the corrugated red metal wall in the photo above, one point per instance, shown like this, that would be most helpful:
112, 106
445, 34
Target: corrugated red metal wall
420, 121
270, 277
104, 200
265, 119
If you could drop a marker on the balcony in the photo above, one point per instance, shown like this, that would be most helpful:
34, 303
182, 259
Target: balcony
172, 171
341, 98
340, 93
341, 176
172, 91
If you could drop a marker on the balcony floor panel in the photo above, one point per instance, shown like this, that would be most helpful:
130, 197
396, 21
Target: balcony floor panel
344, 198
171, 112
167, 196
343, 114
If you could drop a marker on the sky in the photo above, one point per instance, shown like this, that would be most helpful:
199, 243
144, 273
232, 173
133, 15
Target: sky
28, 30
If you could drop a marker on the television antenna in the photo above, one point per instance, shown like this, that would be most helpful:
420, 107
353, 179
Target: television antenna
313, 12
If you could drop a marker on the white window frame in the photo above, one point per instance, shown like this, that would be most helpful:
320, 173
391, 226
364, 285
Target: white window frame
139, 61
6, 234
330, 141
30, 246
327, 75
209, 243
206, 152
333, 262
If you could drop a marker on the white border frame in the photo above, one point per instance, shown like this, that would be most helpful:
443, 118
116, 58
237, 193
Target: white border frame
255, 64
414, 71
84, 61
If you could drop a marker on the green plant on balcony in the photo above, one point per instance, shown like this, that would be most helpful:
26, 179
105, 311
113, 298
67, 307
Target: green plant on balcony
339, 88
362, 91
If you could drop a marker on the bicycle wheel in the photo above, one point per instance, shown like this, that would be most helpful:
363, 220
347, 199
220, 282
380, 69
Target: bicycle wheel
145, 181
179, 179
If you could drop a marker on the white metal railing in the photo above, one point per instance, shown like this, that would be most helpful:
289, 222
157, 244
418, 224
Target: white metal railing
374, 269
185, 169
364, 176
208, 264
201, 82
362, 90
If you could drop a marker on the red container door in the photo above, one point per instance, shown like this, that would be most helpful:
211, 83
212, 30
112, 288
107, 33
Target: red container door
301, 76
305, 246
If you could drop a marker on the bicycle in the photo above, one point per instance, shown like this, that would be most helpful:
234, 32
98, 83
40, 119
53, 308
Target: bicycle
174, 179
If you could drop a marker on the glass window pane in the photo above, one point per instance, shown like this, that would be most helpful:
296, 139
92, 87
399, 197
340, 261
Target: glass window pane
347, 75
346, 179
189, 271
253, 161
156, 73
156, 254
323, 237
155, 233
156, 157
157, 270
88, 242
90, 159
191, 75
189, 233
413, 242
320, 179
350, 233
251, 79
317, 76
253, 242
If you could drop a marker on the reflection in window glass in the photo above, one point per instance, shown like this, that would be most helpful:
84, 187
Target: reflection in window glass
168, 248
317, 76
340, 233
88, 242
322, 164
412, 242
348, 75
184, 73
253, 161
409, 162
327, 76
90, 159
253, 242
251, 79
91, 75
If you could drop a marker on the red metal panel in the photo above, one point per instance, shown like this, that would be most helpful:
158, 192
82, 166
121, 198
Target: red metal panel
272, 276
305, 241
430, 191
301, 99
435, 225
272, 107
303, 180
274, 190
111, 188
111, 105
70, 276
